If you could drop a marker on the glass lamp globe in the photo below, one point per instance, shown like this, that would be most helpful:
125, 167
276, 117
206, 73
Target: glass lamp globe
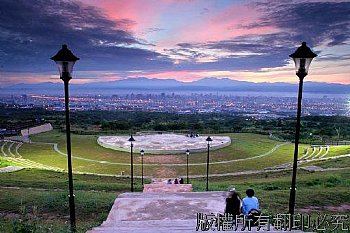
65, 61
302, 58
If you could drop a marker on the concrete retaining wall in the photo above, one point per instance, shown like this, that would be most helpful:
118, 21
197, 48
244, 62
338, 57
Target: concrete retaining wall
37, 129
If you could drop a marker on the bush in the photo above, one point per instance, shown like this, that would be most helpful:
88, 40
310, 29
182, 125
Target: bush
333, 181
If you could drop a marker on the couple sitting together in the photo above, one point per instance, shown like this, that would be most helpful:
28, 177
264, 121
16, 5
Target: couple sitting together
248, 206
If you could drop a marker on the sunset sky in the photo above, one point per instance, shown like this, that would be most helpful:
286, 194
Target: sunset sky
179, 39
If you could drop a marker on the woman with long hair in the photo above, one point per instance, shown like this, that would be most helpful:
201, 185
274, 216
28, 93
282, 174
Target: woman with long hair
233, 203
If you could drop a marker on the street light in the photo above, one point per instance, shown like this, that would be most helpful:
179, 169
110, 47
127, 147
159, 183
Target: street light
208, 143
65, 61
187, 154
302, 58
310, 138
142, 152
131, 140
28, 134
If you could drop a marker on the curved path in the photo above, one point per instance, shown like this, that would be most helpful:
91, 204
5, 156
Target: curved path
9, 149
319, 152
310, 155
55, 146
17, 158
2, 149
327, 150
306, 154
17, 148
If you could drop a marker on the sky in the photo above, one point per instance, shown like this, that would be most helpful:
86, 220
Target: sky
184, 40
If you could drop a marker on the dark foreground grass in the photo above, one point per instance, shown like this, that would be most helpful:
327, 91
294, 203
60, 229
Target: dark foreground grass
48, 211
36, 201
57, 180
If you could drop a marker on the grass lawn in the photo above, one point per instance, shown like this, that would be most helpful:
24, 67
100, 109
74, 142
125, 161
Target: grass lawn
41, 197
4, 163
96, 159
31, 197
58, 180
332, 163
243, 146
49, 210
281, 156
338, 150
315, 191
46, 155
83, 146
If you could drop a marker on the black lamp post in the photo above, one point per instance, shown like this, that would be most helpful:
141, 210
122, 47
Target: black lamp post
142, 152
310, 138
302, 58
131, 140
65, 61
28, 134
187, 154
208, 143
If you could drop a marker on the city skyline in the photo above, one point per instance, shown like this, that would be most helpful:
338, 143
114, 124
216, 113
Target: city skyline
256, 107
182, 40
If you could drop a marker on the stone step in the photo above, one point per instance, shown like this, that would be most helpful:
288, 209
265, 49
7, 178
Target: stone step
162, 187
147, 226
162, 212
177, 195
168, 226
165, 206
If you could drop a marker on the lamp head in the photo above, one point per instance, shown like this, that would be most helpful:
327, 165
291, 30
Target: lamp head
209, 140
302, 58
65, 61
131, 139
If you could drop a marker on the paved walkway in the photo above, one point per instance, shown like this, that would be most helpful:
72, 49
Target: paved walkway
163, 187
178, 212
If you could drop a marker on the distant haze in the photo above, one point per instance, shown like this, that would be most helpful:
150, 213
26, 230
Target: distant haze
206, 85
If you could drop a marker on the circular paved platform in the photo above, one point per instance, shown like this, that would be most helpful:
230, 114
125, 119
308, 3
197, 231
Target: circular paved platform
164, 143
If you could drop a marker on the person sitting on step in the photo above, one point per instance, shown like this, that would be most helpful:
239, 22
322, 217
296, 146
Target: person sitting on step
233, 203
250, 206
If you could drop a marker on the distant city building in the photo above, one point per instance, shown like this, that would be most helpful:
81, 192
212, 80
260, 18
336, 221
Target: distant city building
250, 106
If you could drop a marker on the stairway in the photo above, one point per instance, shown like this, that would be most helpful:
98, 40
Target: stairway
163, 212
160, 212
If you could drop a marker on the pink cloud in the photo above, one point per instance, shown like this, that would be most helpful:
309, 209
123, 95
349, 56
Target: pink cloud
220, 25
144, 13
183, 21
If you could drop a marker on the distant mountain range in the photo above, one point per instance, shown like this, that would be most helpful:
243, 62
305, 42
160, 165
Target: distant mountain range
168, 85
